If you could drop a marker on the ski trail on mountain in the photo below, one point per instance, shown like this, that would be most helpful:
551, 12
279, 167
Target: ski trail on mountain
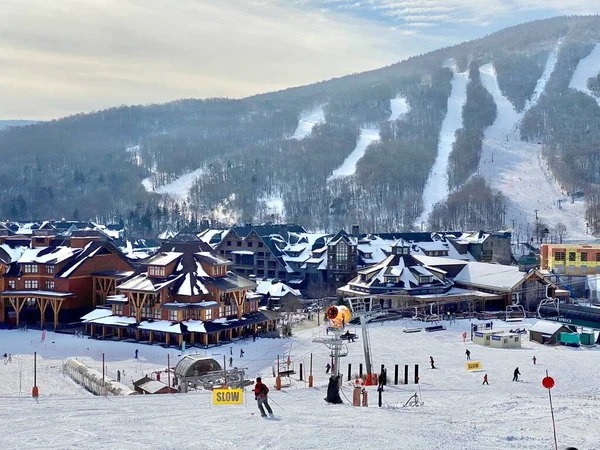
178, 188
348, 167
399, 106
587, 68
517, 168
308, 120
436, 188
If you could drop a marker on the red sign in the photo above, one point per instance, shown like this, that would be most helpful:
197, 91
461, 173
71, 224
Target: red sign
548, 382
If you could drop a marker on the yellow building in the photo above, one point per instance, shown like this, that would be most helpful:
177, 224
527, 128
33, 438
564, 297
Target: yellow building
571, 259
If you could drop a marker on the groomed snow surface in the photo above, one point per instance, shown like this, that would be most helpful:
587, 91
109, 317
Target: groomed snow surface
517, 169
587, 68
399, 107
179, 188
436, 188
308, 119
458, 412
348, 167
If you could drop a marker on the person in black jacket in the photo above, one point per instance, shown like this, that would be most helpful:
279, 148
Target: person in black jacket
516, 374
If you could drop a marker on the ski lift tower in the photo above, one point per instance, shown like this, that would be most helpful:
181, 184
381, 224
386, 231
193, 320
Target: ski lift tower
365, 309
338, 316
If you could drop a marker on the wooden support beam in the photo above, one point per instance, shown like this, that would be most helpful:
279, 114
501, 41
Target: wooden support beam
18, 306
56, 304
168, 338
151, 336
180, 339
42, 304
103, 330
119, 332
1, 310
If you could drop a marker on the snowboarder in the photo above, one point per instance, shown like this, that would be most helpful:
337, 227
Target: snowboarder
136, 353
231, 361
432, 362
485, 380
118, 376
327, 368
516, 374
468, 353
261, 392
534, 359
241, 353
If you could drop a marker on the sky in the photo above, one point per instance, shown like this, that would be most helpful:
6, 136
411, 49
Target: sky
63, 57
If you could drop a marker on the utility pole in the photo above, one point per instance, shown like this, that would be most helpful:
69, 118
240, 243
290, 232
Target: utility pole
536, 216
513, 223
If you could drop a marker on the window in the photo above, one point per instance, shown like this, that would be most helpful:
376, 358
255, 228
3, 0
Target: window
341, 252
261, 245
118, 309
208, 314
597, 257
584, 256
156, 313
559, 256
516, 339
49, 285
250, 244
228, 243
147, 311
239, 243
571, 256
31, 284
173, 315
155, 271
30, 268
505, 341
50, 268
12, 284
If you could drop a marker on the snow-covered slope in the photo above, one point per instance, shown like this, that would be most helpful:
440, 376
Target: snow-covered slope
436, 188
348, 167
587, 68
517, 168
399, 107
179, 188
308, 120
458, 412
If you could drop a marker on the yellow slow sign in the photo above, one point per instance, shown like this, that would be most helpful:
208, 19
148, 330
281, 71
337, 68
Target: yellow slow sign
473, 365
228, 396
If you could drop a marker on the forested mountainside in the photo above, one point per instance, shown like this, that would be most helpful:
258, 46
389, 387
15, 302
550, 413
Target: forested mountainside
354, 150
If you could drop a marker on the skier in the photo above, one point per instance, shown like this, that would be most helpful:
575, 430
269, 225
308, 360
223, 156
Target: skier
136, 353
327, 368
534, 359
231, 361
485, 381
118, 376
241, 353
516, 374
432, 362
261, 392
468, 353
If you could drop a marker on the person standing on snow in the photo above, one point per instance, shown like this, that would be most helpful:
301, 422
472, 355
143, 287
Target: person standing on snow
261, 392
485, 380
432, 362
231, 361
327, 368
534, 359
241, 353
136, 353
118, 376
516, 374
468, 353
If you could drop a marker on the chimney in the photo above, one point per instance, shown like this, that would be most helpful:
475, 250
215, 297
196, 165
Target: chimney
355, 231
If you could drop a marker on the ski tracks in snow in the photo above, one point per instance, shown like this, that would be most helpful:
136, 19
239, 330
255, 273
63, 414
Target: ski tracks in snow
436, 188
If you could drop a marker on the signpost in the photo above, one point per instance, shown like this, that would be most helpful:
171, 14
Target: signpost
228, 396
473, 365
548, 383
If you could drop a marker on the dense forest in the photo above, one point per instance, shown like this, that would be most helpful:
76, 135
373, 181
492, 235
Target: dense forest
91, 166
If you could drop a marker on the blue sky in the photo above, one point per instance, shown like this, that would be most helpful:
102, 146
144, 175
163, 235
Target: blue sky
68, 56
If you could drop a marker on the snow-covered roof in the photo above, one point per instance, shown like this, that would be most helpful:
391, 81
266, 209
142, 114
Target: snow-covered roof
74, 267
162, 258
546, 327
191, 287
143, 283
152, 386
114, 320
96, 314
47, 255
163, 326
242, 252
14, 252
195, 326
276, 290
491, 275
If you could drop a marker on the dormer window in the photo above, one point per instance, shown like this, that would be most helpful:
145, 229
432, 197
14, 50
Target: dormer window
156, 271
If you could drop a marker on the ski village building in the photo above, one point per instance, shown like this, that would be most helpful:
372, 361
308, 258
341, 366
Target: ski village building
184, 292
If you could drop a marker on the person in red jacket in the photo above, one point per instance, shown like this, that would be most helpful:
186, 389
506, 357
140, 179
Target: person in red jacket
261, 392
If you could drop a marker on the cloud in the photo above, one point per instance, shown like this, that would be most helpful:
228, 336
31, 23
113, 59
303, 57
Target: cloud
64, 57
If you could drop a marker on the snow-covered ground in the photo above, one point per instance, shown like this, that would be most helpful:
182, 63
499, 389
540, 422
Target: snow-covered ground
399, 107
272, 205
308, 119
436, 188
517, 168
179, 188
587, 68
458, 412
348, 167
